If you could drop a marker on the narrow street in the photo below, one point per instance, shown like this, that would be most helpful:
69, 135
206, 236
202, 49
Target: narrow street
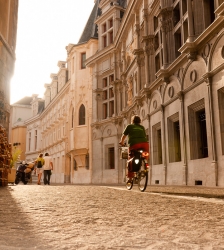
110, 217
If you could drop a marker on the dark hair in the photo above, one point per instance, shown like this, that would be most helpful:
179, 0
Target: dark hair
46, 154
41, 155
135, 119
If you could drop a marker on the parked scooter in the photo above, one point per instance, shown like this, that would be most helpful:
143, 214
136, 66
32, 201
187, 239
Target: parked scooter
23, 172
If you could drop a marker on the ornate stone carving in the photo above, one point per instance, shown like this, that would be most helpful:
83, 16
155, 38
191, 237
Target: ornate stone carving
167, 19
130, 89
193, 76
222, 52
206, 52
171, 91
154, 104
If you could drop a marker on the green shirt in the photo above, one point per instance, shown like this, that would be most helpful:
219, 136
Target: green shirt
136, 134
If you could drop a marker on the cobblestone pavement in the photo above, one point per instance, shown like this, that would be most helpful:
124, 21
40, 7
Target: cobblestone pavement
111, 217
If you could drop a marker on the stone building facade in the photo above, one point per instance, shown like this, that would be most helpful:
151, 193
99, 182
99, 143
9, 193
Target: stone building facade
61, 121
162, 60
46, 129
8, 31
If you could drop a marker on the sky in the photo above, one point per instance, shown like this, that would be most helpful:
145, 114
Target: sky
45, 28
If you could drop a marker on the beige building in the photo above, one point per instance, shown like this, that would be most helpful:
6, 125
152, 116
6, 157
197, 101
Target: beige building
79, 151
8, 31
46, 129
19, 113
162, 60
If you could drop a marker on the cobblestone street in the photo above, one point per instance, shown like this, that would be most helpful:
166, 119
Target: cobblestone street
111, 217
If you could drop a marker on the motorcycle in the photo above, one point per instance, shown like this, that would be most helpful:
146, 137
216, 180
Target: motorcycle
23, 173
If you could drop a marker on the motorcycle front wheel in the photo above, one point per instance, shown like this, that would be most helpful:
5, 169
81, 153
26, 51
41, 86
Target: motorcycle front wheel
142, 180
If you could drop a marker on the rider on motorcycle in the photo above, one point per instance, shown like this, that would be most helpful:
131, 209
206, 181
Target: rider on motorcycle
136, 137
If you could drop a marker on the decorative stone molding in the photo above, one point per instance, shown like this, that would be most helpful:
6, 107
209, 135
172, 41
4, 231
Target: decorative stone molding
206, 52
154, 104
98, 93
171, 91
167, 19
130, 89
180, 95
222, 52
149, 41
192, 55
193, 76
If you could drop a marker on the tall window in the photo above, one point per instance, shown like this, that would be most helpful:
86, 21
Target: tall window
82, 114
197, 130
35, 140
174, 138
83, 60
107, 33
108, 97
157, 45
111, 158
157, 144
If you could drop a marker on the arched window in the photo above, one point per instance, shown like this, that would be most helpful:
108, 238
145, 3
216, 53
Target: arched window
72, 120
82, 115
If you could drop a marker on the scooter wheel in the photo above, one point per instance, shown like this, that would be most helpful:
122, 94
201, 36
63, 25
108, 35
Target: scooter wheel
16, 181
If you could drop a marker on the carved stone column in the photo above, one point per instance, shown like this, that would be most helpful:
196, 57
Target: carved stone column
98, 92
164, 144
124, 98
190, 21
214, 164
123, 57
148, 51
166, 26
115, 85
182, 117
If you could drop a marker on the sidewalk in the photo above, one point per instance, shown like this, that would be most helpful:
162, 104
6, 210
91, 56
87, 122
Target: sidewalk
200, 191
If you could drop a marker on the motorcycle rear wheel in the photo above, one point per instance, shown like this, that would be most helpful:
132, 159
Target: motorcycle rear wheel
142, 180
129, 184
17, 180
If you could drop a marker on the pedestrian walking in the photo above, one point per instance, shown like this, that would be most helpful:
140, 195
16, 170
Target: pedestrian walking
48, 166
39, 162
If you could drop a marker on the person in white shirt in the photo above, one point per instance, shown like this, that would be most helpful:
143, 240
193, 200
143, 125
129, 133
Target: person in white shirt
48, 166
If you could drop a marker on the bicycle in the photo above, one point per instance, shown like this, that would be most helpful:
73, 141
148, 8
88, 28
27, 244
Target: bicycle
137, 164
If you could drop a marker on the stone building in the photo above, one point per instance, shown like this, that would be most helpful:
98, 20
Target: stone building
162, 60
79, 150
8, 31
46, 129
61, 121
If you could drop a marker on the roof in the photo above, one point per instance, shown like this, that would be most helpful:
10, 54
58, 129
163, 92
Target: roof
24, 101
90, 30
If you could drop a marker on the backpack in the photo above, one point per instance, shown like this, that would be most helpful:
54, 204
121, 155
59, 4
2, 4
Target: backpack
39, 164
